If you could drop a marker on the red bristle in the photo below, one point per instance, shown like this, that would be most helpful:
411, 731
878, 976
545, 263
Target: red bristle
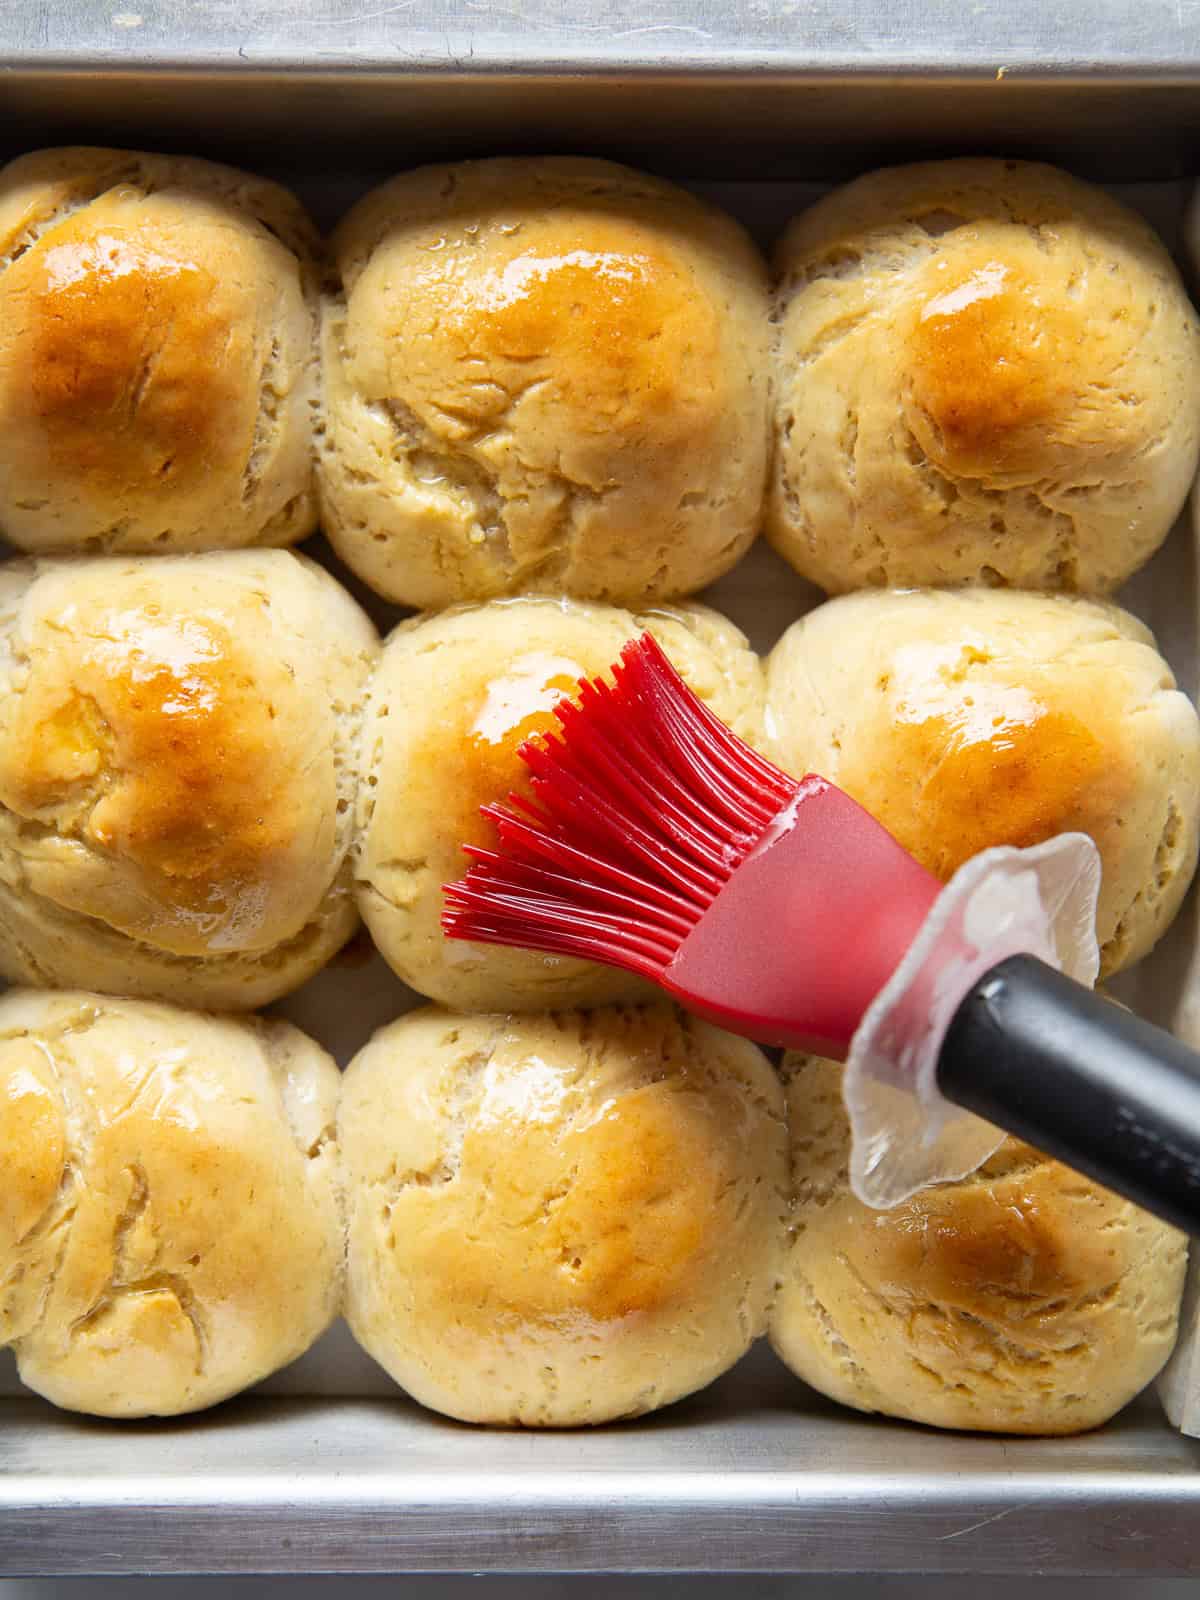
525, 842
640, 778
613, 726
644, 803
685, 712
487, 915
499, 894
713, 764
527, 933
524, 874
538, 818
615, 734
570, 800
646, 662
686, 727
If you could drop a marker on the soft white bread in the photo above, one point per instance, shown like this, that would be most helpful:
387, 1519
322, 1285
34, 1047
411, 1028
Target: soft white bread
157, 355
454, 697
170, 1222
963, 719
560, 1219
178, 746
1023, 1299
542, 374
987, 371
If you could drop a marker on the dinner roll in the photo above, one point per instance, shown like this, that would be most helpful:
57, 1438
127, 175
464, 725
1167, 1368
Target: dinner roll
542, 374
157, 355
178, 741
560, 1219
987, 372
454, 697
964, 719
1023, 1299
172, 1230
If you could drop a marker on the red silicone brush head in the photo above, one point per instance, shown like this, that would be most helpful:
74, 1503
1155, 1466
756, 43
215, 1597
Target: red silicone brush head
660, 842
643, 807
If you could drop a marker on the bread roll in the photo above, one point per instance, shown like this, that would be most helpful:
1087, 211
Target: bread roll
170, 1226
455, 696
987, 372
178, 746
975, 718
1023, 1299
542, 374
561, 1219
157, 355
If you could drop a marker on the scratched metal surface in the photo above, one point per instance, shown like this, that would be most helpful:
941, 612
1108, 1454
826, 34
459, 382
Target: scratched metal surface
1145, 38
796, 86
753, 1475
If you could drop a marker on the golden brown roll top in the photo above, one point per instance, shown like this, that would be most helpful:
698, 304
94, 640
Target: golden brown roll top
170, 1227
965, 719
1023, 1299
560, 1219
33, 1145
157, 355
991, 346
454, 697
544, 374
177, 769
987, 371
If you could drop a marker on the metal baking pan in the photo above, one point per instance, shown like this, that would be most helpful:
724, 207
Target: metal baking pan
329, 1470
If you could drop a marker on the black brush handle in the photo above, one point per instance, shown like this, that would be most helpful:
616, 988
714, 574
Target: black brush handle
1080, 1078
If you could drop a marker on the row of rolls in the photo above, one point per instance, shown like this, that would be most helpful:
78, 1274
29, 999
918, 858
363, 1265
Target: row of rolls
563, 375
544, 1220
209, 766
549, 1199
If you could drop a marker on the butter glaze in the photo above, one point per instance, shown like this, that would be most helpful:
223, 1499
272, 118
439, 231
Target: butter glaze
177, 767
542, 375
1023, 1299
456, 695
559, 1219
968, 718
169, 1221
157, 323
987, 372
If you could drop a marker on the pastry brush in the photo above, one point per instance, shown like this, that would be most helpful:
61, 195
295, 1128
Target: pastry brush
658, 841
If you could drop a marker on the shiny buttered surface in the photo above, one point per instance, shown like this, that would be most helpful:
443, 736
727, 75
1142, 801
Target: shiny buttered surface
550, 376
157, 355
1024, 1299
565, 376
178, 758
964, 719
542, 374
987, 371
455, 696
170, 1227
560, 1219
